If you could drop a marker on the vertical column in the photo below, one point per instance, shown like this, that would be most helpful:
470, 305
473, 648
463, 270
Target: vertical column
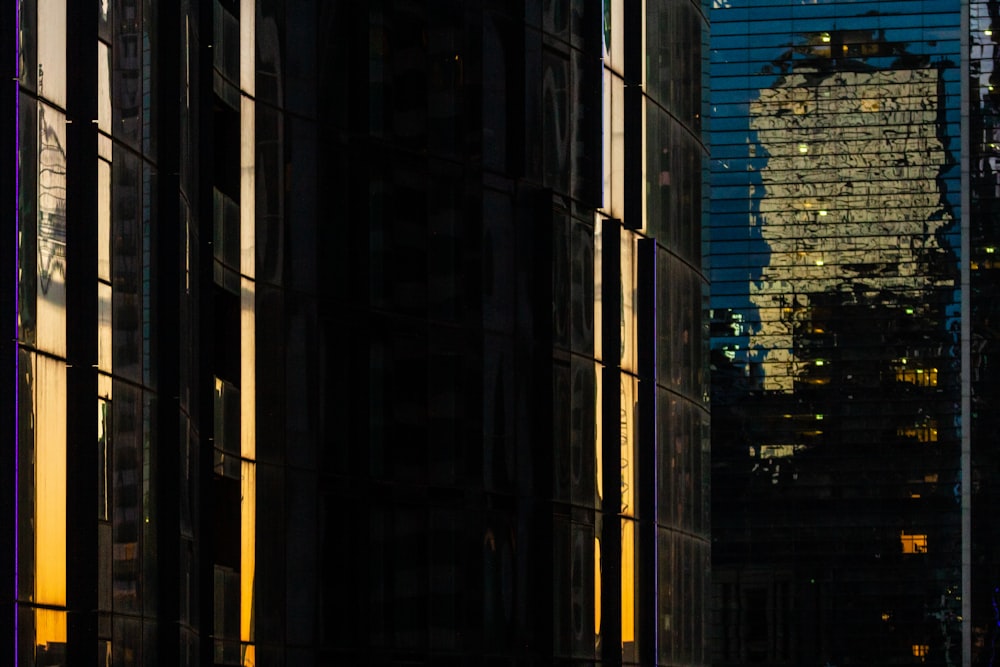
610, 408
646, 290
9, 193
248, 400
41, 571
966, 339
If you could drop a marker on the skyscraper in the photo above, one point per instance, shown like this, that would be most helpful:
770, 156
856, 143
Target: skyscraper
849, 452
353, 333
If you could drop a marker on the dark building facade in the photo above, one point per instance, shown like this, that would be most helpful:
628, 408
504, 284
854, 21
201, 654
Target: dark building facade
851, 244
392, 314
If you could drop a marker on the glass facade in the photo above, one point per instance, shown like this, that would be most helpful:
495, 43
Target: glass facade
394, 320
983, 238
843, 317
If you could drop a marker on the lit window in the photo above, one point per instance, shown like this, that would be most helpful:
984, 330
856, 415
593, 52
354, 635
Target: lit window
920, 651
913, 544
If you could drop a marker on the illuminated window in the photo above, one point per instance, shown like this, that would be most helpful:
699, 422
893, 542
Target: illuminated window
921, 377
913, 544
926, 432
920, 651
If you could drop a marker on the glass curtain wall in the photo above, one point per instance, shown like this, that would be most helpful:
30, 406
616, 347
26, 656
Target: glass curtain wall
836, 332
376, 330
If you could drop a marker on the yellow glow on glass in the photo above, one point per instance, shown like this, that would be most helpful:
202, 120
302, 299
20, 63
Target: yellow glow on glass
628, 581
913, 544
50, 481
597, 586
248, 543
50, 627
599, 429
629, 472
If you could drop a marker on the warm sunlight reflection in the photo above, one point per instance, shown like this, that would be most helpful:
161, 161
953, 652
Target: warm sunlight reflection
50, 481
248, 540
50, 627
628, 581
597, 586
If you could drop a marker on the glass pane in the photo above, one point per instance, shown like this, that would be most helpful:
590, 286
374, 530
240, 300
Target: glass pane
27, 175
104, 220
51, 269
103, 438
103, 87
50, 480
104, 355
52, 51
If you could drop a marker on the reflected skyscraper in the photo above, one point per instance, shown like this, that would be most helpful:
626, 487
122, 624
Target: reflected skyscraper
347, 333
848, 449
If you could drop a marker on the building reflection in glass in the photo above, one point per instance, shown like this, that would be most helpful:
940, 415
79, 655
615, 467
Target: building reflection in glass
835, 346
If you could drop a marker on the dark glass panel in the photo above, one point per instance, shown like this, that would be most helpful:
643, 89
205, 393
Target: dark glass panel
310, 566
272, 389
448, 398
269, 177
582, 287
561, 442
301, 239
304, 28
667, 597
498, 417
105, 568
558, 131
562, 275
127, 265
127, 498
271, 569
398, 603
150, 68
226, 587
150, 312
497, 265
28, 207
270, 55
127, 75
582, 432
497, 58
308, 399
444, 584
28, 43
449, 288
452, 64
150, 513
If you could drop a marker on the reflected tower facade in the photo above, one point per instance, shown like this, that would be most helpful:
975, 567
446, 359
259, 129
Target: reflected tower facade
837, 333
392, 314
